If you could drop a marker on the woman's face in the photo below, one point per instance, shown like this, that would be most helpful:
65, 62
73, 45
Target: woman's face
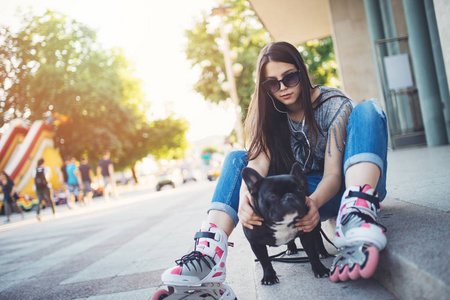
2, 177
277, 70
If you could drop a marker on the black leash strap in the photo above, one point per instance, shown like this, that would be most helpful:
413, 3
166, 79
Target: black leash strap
296, 260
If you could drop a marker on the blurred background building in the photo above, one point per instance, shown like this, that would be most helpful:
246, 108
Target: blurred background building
393, 50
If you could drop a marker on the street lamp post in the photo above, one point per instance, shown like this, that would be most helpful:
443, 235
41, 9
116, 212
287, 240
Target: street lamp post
222, 13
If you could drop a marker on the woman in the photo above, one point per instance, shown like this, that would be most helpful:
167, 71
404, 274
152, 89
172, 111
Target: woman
9, 190
341, 149
43, 187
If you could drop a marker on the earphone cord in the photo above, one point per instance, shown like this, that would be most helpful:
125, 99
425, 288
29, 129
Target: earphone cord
293, 129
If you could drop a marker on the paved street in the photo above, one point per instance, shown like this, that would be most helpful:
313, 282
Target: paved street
118, 249
114, 250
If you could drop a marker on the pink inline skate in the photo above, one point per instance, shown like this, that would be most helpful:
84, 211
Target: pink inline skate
359, 236
201, 273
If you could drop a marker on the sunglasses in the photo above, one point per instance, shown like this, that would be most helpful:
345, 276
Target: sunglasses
289, 80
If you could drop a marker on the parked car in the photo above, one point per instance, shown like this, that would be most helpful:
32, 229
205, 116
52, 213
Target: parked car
188, 176
169, 178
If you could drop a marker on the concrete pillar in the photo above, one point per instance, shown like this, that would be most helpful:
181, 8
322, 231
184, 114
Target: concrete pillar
392, 48
376, 32
425, 73
442, 11
389, 26
439, 62
375, 24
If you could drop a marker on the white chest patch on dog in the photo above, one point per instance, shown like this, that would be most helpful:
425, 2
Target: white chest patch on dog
284, 233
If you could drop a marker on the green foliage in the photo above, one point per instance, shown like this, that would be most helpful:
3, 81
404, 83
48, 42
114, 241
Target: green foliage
320, 59
169, 138
211, 150
54, 66
247, 37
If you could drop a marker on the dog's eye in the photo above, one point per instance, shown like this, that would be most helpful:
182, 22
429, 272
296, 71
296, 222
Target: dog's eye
272, 196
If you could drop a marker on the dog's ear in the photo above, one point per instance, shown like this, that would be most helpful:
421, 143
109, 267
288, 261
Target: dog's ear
252, 179
297, 172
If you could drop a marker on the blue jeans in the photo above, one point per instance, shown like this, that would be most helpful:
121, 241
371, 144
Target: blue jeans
367, 141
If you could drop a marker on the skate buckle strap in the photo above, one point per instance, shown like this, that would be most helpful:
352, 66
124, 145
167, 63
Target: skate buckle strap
209, 235
205, 234
361, 195
364, 216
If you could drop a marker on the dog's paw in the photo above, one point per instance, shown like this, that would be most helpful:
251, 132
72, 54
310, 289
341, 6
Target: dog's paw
320, 271
269, 278
291, 248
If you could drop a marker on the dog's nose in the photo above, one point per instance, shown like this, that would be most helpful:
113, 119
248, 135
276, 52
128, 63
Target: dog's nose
291, 197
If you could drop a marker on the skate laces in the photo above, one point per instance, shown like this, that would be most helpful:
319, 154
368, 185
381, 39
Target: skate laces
194, 256
198, 256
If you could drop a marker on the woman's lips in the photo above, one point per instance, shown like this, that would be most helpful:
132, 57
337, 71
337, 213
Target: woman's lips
286, 96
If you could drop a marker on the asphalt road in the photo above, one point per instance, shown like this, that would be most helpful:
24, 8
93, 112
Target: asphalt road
109, 250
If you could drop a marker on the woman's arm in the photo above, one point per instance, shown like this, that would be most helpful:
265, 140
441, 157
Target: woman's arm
246, 214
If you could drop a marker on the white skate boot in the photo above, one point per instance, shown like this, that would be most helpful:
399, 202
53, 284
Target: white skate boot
359, 236
201, 272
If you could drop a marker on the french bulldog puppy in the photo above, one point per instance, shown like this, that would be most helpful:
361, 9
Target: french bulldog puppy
281, 200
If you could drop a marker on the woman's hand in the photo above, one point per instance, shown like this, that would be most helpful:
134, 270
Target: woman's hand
310, 221
246, 214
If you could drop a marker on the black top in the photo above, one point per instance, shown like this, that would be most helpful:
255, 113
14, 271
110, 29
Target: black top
84, 170
7, 188
104, 163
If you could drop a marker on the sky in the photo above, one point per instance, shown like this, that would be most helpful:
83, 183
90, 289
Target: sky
151, 32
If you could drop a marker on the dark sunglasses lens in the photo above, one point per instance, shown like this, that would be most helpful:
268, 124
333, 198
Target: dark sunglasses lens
272, 85
291, 80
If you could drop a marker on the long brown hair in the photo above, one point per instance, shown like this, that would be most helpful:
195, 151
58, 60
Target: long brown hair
266, 128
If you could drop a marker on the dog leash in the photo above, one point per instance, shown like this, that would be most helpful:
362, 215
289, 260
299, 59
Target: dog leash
297, 260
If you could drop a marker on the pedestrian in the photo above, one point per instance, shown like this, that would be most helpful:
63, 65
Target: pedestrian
86, 179
73, 182
342, 149
9, 195
65, 179
105, 169
43, 187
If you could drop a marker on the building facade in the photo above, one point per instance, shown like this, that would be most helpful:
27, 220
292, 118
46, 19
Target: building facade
397, 51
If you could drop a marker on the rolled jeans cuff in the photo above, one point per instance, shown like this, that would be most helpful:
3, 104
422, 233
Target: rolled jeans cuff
375, 159
364, 157
225, 208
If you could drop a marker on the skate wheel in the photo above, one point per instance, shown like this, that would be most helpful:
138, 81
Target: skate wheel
160, 294
343, 276
371, 262
355, 273
334, 276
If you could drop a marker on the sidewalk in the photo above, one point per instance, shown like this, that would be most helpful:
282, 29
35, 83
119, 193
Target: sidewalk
416, 261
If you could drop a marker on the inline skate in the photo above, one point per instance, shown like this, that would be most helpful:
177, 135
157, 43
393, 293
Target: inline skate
201, 273
359, 236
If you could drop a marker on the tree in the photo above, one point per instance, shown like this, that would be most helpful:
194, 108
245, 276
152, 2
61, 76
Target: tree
168, 137
247, 37
320, 59
54, 67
